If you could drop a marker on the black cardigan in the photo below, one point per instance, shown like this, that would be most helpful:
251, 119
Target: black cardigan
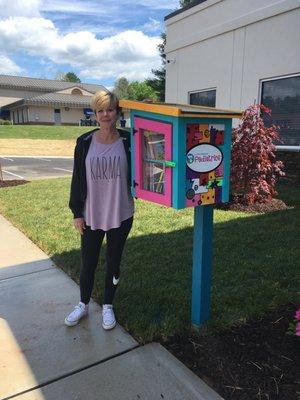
78, 184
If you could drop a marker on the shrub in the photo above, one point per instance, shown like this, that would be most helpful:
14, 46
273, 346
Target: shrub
5, 122
254, 169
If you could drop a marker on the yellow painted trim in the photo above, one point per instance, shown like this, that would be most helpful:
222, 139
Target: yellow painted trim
212, 115
150, 107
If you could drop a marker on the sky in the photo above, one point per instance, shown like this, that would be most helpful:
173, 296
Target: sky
100, 41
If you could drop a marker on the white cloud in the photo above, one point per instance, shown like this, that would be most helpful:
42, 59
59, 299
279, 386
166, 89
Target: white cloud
20, 8
9, 67
129, 53
78, 7
96, 7
35, 8
159, 4
153, 25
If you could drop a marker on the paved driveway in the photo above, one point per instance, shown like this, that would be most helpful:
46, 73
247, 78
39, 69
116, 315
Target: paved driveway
29, 168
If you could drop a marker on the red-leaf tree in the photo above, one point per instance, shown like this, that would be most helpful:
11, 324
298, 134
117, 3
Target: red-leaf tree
254, 169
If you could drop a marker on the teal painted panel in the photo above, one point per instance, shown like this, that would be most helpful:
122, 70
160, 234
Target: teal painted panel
181, 150
175, 146
202, 262
227, 158
132, 156
179, 173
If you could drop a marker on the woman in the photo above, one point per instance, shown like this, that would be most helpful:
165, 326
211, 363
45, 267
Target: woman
101, 203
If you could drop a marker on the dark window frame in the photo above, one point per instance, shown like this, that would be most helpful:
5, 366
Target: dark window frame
290, 140
203, 91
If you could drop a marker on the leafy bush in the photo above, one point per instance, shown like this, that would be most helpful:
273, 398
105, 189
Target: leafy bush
254, 169
5, 122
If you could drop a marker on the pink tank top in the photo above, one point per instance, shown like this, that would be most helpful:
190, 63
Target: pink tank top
109, 201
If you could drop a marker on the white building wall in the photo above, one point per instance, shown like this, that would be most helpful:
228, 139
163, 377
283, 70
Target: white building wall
41, 114
46, 115
231, 45
271, 50
211, 56
72, 116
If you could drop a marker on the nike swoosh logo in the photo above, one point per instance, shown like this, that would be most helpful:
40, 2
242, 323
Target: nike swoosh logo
115, 281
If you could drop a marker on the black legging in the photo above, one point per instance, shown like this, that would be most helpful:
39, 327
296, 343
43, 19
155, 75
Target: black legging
91, 242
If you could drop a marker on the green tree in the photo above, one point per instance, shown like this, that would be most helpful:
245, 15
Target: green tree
184, 3
71, 77
141, 91
158, 83
121, 88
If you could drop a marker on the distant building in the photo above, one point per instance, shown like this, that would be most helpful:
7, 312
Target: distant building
233, 53
44, 101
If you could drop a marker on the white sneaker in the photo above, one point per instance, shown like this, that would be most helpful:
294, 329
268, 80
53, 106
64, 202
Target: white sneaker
108, 317
75, 316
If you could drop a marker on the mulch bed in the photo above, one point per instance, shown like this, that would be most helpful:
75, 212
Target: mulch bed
13, 182
273, 205
254, 361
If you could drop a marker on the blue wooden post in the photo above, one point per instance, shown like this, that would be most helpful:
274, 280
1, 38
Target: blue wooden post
202, 260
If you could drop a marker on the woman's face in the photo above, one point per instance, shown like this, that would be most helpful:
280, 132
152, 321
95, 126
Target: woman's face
107, 117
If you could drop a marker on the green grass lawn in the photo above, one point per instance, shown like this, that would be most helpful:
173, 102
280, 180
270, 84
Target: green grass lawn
42, 132
254, 263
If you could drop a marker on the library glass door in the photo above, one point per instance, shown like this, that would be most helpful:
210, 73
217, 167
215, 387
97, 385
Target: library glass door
153, 147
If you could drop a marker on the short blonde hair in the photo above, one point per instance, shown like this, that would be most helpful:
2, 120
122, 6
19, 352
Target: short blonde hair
103, 100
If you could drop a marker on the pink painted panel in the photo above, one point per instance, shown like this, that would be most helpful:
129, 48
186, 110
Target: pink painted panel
155, 127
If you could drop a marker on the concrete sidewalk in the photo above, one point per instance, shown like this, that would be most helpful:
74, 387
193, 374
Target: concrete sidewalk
42, 359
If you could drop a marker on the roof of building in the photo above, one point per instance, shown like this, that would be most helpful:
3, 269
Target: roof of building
181, 10
4, 101
42, 85
55, 99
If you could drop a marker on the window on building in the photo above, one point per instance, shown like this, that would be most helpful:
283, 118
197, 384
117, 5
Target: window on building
282, 96
77, 91
205, 98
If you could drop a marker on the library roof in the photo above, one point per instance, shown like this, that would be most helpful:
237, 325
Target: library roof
180, 110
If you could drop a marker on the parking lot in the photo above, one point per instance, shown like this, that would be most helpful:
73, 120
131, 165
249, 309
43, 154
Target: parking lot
29, 168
